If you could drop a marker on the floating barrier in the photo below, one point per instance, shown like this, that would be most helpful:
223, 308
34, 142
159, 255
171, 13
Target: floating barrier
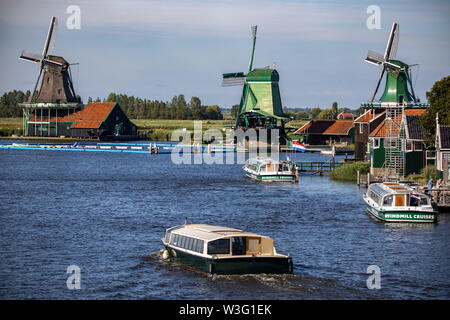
156, 148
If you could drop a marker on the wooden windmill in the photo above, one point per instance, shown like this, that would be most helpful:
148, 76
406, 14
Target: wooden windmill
57, 85
398, 87
260, 105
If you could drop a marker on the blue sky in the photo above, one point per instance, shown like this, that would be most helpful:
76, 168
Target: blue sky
158, 49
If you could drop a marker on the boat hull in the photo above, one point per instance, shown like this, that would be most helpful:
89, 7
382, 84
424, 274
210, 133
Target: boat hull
271, 178
233, 265
402, 216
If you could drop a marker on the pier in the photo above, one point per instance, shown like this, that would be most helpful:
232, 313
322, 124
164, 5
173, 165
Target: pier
320, 167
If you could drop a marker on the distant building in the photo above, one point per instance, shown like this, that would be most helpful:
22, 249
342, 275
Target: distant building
97, 120
364, 126
410, 154
345, 116
442, 146
320, 132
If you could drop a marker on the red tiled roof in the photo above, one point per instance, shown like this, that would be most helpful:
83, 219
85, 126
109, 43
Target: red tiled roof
90, 116
327, 127
345, 116
383, 128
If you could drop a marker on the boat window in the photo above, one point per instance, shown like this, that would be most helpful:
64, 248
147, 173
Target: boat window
387, 201
189, 243
400, 200
414, 201
374, 196
182, 240
220, 246
238, 246
199, 247
175, 239
263, 168
424, 201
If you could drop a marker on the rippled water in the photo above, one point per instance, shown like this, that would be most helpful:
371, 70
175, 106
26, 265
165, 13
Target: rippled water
106, 213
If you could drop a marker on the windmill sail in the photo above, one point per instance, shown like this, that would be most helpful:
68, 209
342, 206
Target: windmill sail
392, 44
233, 79
49, 44
30, 56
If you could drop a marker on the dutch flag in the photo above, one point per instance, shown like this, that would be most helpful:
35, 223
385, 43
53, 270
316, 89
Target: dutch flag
297, 146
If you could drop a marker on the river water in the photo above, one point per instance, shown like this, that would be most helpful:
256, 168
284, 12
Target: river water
106, 213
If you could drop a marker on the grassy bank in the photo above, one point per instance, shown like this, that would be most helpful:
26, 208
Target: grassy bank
158, 129
348, 171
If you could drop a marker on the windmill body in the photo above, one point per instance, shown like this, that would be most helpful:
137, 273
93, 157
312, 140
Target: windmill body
260, 104
389, 142
56, 96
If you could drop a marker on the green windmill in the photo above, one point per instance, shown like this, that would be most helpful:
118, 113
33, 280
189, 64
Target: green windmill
399, 88
260, 105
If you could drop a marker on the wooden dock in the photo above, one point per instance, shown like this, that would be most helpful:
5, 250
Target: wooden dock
319, 167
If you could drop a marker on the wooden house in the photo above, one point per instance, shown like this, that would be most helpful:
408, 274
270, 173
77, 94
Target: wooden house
321, 132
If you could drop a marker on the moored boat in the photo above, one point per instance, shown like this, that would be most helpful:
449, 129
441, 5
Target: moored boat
222, 250
268, 170
396, 202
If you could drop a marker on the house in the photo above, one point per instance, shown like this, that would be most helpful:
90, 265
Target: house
398, 144
97, 120
345, 116
320, 132
442, 147
364, 126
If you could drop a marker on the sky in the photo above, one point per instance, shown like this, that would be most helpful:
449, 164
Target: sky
159, 49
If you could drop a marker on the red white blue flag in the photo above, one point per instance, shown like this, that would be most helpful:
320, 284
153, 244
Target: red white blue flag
297, 146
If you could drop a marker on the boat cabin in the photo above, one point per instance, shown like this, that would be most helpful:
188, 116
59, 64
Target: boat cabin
396, 195
266, 165
218, 241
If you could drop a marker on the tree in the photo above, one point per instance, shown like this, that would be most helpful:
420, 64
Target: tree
439, 99
326, 114
234, 110
334, 110
315, 112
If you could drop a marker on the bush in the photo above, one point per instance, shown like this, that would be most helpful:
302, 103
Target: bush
348, 171
430, 171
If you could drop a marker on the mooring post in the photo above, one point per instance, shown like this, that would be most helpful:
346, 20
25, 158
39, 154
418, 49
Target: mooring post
368, 179
358, 181
156, 149
296, 174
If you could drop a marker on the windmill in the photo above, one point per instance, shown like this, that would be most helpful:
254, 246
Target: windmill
260, 105
57, 85
398, 77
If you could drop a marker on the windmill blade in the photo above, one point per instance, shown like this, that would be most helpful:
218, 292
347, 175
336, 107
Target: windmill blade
51, 36
395, 40
250, 65
30, 56
391, 47
392, 65
378, 85
37, 81
374, 58
51, 62
233, 79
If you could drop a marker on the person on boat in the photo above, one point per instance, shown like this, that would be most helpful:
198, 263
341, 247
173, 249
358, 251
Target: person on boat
430, 185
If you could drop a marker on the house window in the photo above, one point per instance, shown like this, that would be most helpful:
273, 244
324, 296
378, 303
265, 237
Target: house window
409, 146
417, 146
59, 91
48, 79
376, 143
361, 128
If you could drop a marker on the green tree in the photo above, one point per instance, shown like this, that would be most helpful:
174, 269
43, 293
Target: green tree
234, 110
439, 99
315, 112
326, 114
334, 110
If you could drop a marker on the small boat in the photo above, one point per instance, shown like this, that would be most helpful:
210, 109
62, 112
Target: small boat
396, 202
222, 250
268, 170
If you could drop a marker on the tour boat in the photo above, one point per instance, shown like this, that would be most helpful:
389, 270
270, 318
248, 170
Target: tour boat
396, 202
223, 250
268, 170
